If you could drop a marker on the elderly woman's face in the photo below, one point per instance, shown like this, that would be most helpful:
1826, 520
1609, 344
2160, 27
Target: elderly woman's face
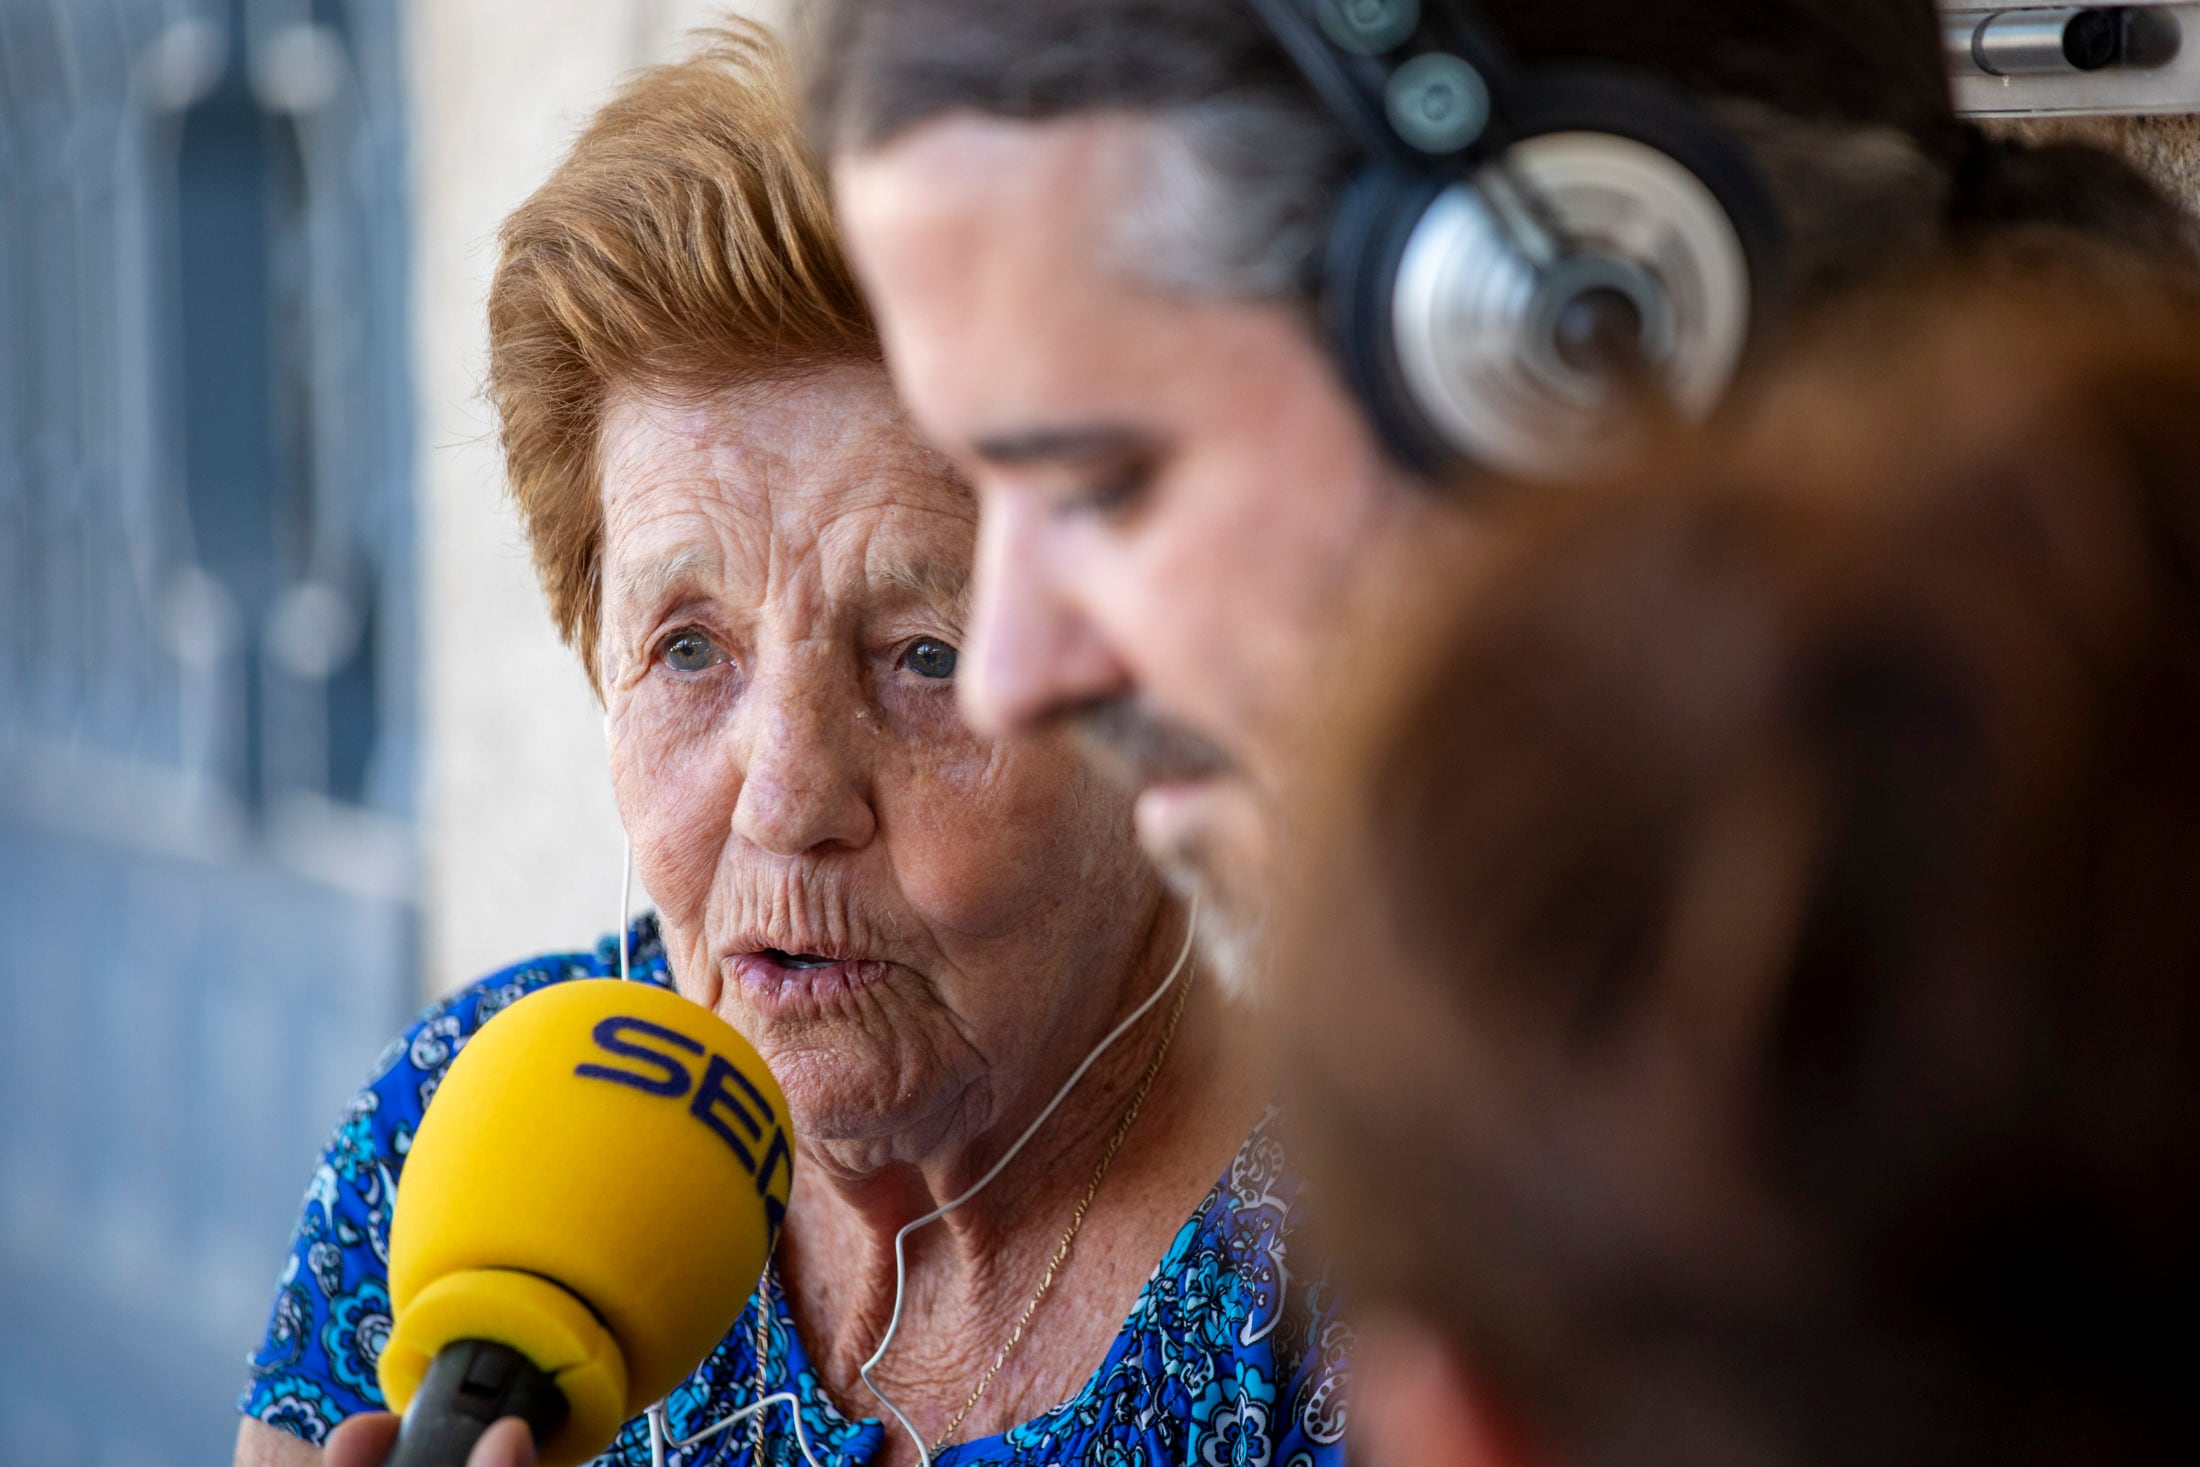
909, 921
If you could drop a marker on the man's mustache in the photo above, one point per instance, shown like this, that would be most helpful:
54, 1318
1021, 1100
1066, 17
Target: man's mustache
1137, 748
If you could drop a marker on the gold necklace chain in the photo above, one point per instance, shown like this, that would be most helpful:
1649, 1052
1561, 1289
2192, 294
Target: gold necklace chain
762, 1343
1076, 1221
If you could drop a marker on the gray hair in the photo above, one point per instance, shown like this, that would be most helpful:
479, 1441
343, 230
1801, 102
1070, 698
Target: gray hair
1843, 102
1234, 200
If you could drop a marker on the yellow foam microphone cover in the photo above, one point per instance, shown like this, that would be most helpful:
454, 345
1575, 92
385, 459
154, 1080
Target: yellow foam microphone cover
597, 1183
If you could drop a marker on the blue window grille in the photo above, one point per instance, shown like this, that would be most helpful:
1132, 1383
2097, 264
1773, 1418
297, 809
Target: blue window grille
208, 732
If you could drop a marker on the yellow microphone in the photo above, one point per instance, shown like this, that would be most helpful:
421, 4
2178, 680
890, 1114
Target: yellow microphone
584, 1213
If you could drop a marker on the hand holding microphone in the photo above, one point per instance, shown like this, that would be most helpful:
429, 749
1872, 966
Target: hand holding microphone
583, 1215
365, 1441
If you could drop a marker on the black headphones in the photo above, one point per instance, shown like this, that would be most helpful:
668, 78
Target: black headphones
1525, 252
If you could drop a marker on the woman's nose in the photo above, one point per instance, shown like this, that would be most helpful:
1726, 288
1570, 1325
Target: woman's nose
805, 785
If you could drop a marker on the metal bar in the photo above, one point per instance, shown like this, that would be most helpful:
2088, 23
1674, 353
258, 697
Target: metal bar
2009, 60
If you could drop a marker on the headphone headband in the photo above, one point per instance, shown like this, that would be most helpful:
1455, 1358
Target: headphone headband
1413, 89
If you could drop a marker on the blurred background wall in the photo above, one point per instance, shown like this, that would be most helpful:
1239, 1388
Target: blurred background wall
522, 849
286, 743
287, 746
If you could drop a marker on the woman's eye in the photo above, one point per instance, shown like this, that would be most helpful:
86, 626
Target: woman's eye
690, 651
930, 658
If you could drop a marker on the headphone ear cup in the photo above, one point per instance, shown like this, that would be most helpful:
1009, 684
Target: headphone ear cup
1374, 220
1670, 164
1647, 109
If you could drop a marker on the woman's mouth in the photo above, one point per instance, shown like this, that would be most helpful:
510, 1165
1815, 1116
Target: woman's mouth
777, 980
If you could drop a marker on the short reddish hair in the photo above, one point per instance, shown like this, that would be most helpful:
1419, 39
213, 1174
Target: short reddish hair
685, 245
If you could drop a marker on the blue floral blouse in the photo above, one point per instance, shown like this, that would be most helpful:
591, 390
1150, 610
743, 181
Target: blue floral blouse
1233, 1356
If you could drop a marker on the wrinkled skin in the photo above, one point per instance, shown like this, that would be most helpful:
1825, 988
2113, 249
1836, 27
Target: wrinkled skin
784, 574
794, 774
1182, 507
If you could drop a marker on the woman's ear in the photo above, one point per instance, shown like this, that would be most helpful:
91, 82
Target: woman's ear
1415, 1402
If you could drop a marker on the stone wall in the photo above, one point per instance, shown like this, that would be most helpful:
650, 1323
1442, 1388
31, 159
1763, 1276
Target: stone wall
2166, 147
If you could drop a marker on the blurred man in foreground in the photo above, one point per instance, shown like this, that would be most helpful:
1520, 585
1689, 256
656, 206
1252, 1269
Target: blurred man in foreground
1098, 236
1748, 998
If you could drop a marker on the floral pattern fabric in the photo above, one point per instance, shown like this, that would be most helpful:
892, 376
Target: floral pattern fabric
1233, 1355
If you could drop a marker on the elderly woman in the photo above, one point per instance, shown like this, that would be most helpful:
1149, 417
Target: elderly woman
923, 932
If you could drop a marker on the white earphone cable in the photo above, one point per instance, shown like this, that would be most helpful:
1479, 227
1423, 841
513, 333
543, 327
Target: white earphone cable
901, 1277
626, 905
735, 1418
659, 1435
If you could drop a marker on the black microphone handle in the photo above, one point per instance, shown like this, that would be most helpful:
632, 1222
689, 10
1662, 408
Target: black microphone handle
471, 1385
